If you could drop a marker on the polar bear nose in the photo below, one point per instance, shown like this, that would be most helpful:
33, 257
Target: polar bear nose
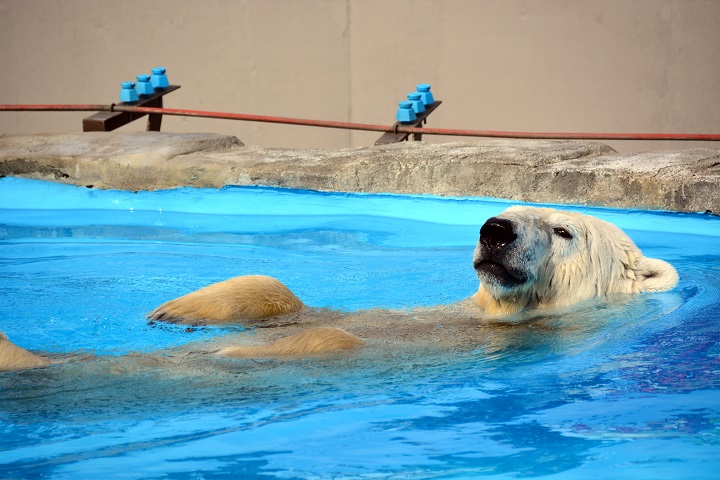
497, 233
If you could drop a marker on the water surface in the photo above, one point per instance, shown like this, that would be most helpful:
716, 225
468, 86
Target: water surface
609, 390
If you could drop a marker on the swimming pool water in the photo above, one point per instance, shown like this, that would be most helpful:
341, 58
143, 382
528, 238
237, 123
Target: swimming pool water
627, 390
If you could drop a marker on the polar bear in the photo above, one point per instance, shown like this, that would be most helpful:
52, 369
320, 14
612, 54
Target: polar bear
527, 259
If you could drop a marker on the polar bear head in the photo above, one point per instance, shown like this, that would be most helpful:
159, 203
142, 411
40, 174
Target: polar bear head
530, 257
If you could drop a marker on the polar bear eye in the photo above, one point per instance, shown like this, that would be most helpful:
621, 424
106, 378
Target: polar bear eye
562, 232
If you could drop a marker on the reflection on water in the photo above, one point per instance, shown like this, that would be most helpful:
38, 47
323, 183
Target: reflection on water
625, 388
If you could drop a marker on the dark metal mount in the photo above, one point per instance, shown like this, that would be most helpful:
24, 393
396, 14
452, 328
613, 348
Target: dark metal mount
396, 137
108, 121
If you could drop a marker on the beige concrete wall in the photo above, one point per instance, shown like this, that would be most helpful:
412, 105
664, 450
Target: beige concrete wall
561, 65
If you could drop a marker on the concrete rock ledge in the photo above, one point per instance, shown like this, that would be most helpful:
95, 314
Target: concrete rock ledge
528, 170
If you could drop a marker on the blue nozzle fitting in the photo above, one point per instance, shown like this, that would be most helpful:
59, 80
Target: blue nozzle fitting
405, 113
417, 104
159, 80
143, 86
425, 95
128, 93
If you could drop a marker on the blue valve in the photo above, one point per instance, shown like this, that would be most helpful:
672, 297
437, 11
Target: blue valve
159, 79
425, 95
417, 105
144, 87
405, 113
128, 93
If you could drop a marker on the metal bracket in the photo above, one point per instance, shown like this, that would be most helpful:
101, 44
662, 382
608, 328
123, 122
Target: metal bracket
396, 137
108, 121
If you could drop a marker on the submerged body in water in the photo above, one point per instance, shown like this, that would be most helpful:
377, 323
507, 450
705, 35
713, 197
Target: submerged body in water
527, 258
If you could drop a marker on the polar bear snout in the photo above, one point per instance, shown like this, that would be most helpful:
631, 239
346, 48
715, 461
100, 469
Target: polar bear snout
497, 233
495, 259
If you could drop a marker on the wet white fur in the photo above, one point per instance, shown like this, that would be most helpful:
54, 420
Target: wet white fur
599, 260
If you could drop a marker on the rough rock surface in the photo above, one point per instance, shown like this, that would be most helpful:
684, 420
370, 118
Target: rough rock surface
537, 171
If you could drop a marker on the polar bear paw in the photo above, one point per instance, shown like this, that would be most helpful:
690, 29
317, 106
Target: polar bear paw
250, 297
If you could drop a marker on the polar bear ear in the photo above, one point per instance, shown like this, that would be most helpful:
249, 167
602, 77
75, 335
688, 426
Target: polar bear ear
655, 275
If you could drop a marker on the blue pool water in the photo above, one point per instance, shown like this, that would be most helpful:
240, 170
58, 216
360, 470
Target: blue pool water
627, 390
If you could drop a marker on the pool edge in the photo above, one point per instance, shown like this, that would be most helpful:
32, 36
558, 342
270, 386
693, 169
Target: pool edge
557, 172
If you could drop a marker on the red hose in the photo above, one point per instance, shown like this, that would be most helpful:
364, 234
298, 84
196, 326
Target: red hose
55, 108
366, 127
